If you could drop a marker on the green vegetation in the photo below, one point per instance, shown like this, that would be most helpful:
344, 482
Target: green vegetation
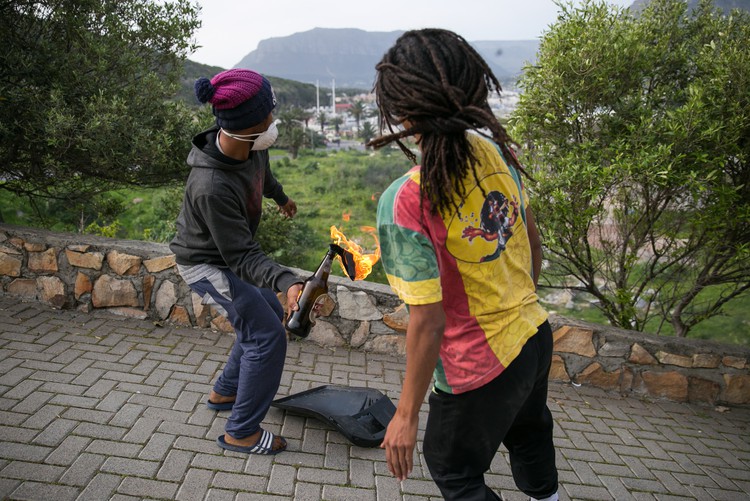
86, 91
332, 186
637, 131
327, 185
731, 326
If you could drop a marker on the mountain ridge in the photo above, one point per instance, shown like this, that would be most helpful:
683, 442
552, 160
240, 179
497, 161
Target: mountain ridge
349, 56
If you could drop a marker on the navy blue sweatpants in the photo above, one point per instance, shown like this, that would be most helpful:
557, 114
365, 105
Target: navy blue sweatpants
253, 369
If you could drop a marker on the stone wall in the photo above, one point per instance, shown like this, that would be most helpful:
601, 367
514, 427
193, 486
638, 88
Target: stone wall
139, 279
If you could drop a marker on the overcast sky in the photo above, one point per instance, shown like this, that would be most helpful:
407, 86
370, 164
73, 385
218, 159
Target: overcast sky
232, 28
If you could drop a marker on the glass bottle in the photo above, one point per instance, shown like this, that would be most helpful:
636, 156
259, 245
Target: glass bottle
300, 322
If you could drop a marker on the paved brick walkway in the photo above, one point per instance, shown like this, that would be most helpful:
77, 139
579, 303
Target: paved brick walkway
100, 407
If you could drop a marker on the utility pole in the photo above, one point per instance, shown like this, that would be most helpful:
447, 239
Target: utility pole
333, 97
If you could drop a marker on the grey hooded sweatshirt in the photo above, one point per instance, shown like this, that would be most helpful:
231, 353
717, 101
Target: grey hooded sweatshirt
221, 212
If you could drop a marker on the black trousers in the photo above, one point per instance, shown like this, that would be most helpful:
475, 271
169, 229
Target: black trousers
464, 431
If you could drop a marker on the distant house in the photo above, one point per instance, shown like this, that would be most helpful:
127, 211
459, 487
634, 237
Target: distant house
343, 108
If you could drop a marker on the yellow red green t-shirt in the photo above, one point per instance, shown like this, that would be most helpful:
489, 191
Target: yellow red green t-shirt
476, 260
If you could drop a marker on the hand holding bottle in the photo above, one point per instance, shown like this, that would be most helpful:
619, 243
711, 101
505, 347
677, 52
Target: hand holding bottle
300, 320
292, 294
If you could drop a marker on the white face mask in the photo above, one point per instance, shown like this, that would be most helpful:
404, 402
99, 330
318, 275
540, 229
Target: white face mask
261, 140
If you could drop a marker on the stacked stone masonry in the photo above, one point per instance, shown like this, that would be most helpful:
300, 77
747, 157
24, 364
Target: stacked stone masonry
140, 280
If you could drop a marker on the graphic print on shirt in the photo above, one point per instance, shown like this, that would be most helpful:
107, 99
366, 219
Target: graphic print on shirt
484, 222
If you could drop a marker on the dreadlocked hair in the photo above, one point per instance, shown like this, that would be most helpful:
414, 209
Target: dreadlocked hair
437, 84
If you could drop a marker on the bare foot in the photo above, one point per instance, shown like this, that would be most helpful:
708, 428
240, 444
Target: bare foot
251, 440
217, 398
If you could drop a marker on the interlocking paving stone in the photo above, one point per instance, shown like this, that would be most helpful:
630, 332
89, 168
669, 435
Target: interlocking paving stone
337, 456
254, 496
322, 476
239, 482
144, 367
106, 432
23, 452
55, 433
16, 434
142, 430
259, 465
214, 462
336, 493
68, 451
195, 485
15, 375
153, 489
7, 486
196, 445
38, 490
100, 389
166, 416
31, 405
175, 465
179, 428
424, 487
157, 447
23, 470
115, 401
98, 407
588, 492
313, 441
83, 469
114, 448
616, 488
308, 492
215, 494
102, 486
130, 467
361, 473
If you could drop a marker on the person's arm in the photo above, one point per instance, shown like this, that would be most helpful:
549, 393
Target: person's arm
423, 337
536, 245
274, 190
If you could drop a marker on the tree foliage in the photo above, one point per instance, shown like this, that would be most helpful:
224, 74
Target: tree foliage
288, 241
294, 133
86, 92
367, 132
357, 111
638, 133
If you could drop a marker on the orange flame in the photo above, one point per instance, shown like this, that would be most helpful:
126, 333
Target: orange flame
364, 262
346, 215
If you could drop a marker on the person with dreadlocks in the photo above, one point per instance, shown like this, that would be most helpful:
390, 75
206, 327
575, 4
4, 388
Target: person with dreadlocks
456, 253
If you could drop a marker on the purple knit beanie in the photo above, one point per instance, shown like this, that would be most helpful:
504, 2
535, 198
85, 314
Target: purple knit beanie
240, 98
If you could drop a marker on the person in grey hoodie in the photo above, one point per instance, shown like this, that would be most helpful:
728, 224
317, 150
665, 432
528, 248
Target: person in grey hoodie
219, 258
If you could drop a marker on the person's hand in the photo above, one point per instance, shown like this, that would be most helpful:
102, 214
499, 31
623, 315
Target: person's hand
399, 442
292, 294
289, 209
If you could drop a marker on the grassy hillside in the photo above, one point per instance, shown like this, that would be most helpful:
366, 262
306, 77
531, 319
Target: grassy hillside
329, 186
338, 188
